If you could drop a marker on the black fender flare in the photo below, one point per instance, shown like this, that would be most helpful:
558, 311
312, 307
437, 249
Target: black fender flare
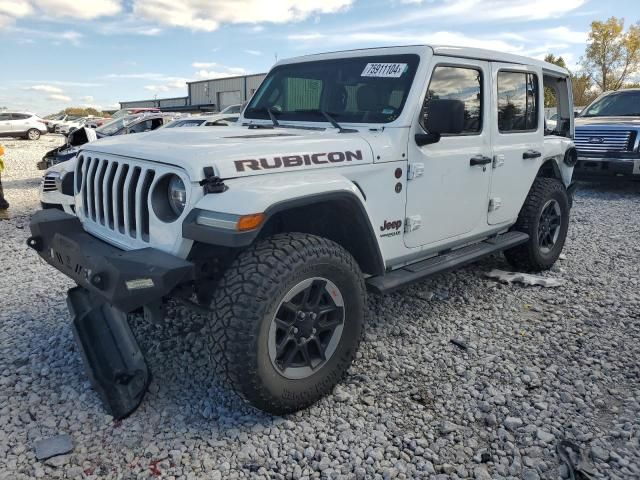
367, 253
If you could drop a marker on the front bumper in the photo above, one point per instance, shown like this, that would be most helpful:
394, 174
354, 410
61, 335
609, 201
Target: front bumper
127, 280
607, 167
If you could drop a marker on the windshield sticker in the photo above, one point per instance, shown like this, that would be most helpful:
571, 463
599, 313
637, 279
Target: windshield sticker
384, 70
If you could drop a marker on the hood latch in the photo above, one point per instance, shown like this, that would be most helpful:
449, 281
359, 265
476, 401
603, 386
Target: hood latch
211, 182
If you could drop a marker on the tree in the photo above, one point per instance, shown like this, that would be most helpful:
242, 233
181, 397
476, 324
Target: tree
82, 112
612, 55
582, 88
549, 96
581, 85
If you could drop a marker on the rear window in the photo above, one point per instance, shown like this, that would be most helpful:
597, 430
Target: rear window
517, 102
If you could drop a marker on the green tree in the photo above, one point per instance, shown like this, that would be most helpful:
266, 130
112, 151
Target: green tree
82, 112
549, 96
612, 55
582, 88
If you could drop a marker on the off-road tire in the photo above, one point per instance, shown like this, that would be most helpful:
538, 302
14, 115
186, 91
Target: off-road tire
245, 302
529, 256
32, 134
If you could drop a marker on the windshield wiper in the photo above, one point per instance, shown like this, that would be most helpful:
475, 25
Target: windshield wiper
272, 117
335, 124
331, 120
271, 114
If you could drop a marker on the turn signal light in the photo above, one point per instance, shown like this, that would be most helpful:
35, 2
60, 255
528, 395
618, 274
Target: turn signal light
249, 222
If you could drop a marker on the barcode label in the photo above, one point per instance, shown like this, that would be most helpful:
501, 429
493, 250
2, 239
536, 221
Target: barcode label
384, 70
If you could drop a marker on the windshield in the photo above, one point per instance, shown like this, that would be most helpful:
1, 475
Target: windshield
351, 90
194, 122
619, 104
114, 125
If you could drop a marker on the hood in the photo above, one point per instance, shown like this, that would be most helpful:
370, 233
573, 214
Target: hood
237, 151
633, 122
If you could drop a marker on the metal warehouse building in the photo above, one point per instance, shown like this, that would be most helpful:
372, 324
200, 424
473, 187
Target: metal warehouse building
206, 95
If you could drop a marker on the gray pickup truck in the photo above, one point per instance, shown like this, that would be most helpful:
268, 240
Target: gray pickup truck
608, 136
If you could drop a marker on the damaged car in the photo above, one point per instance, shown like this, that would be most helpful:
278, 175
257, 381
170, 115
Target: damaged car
119, 126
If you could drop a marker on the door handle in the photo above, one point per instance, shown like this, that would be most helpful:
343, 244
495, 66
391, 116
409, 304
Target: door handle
529, 154
479, 160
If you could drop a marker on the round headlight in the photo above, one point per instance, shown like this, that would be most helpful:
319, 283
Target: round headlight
177, 195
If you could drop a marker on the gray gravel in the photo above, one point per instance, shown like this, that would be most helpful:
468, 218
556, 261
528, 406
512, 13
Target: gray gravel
540, 365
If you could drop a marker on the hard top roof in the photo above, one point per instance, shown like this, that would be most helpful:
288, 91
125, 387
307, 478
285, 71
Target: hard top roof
450, 51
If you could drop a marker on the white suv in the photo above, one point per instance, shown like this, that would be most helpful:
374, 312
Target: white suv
347, 172
21, 124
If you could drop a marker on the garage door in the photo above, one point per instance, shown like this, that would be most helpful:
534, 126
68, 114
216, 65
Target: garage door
229, 98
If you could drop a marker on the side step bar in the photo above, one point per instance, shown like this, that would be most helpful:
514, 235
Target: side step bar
112, 359
443, 263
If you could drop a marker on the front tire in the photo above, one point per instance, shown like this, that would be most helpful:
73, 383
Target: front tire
33, 134
287, 319
545, 218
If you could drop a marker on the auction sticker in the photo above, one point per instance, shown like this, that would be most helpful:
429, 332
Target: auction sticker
384, 70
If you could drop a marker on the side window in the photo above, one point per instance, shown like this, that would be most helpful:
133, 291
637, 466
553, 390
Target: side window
140, 127
5, 117
517, 102
458, 83
19, 116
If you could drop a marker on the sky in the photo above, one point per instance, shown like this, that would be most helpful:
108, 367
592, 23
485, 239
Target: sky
94, 53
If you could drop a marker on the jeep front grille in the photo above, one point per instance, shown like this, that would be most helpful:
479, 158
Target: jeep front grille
603, 140
114, 194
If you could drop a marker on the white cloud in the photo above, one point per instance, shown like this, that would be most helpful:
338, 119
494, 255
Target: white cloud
59, 98
24, 34
203, 64
87, 99
45, 88
145, 76
462, 12
382, 38
10, 10
564, 34
210, 74
209, 14
85, 9
473, 11
257, 53
169, 84
207, 70
15, 8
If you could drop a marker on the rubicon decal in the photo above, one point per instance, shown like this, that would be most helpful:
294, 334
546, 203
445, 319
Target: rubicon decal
392, 228
290, 161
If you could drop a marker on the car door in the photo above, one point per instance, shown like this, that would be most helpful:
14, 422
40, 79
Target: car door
449, 180
5, 123
518, 138
19, 122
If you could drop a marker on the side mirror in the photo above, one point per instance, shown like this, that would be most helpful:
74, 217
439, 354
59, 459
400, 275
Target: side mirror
444, 117
575, 114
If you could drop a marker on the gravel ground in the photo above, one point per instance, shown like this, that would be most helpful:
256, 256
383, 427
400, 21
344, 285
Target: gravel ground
541, 365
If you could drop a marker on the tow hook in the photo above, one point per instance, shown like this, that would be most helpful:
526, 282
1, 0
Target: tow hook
35, 243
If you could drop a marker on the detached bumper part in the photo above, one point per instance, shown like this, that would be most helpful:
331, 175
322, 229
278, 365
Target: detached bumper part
113, 361
111, 282
126, 279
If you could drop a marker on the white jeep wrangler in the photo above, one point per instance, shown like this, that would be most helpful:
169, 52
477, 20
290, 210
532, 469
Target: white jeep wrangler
347, 172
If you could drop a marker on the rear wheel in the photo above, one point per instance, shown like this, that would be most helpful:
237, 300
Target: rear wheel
287, 319
545, 218
33, 134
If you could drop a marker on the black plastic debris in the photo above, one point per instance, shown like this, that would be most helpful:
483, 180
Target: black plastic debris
53, 446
